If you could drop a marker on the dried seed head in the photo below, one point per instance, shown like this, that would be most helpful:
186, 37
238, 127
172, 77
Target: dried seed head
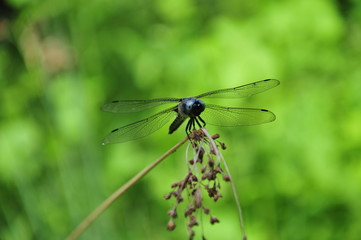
211, 163
198, 198
189, 211
171, 225
193, 221
211, 192
172, 213
191, 234
226, 178
166, 197
215, 136
179, 199
201, 153
217, 196
194, 178
189, 181
218, 169
206, 210
206, 175
214, 220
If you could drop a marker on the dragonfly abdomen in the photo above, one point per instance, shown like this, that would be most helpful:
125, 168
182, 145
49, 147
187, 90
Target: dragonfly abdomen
176, 123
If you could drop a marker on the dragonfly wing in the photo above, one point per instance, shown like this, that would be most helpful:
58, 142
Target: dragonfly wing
135, 105
141, 128
228, 117
242, 91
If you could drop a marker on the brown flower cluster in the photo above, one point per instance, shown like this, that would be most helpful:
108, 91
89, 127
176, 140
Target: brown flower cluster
203, 176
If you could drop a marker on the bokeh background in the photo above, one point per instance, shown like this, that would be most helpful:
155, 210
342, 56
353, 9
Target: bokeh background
298, 177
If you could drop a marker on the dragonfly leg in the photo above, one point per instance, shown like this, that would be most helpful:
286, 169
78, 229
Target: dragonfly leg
194, 123
198, 123
189, 126
200, 119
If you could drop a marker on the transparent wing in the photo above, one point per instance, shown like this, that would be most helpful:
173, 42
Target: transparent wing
228, 117
135, 105
242, 91
141, 128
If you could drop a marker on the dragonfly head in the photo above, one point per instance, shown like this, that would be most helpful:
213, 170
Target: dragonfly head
192, 107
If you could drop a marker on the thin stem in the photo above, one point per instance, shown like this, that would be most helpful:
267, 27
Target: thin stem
102, 207
232, 183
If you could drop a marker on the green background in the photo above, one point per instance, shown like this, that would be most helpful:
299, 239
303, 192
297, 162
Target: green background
298, 177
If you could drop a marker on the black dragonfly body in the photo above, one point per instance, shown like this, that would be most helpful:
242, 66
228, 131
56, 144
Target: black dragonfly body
192, 109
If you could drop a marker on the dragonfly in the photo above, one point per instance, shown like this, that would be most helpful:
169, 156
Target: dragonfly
192, 109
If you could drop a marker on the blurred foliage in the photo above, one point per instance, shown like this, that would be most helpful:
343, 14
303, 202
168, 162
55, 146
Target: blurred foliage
298, 177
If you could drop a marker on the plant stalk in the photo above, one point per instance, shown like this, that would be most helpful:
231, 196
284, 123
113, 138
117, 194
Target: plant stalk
102, 207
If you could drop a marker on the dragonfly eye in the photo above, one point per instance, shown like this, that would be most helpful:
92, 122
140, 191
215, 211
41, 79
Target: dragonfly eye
197, 108
187, 105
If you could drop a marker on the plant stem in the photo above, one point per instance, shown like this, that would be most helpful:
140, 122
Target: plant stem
102, 207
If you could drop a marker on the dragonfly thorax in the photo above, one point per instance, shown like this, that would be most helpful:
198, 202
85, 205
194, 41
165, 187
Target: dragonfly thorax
191, 107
